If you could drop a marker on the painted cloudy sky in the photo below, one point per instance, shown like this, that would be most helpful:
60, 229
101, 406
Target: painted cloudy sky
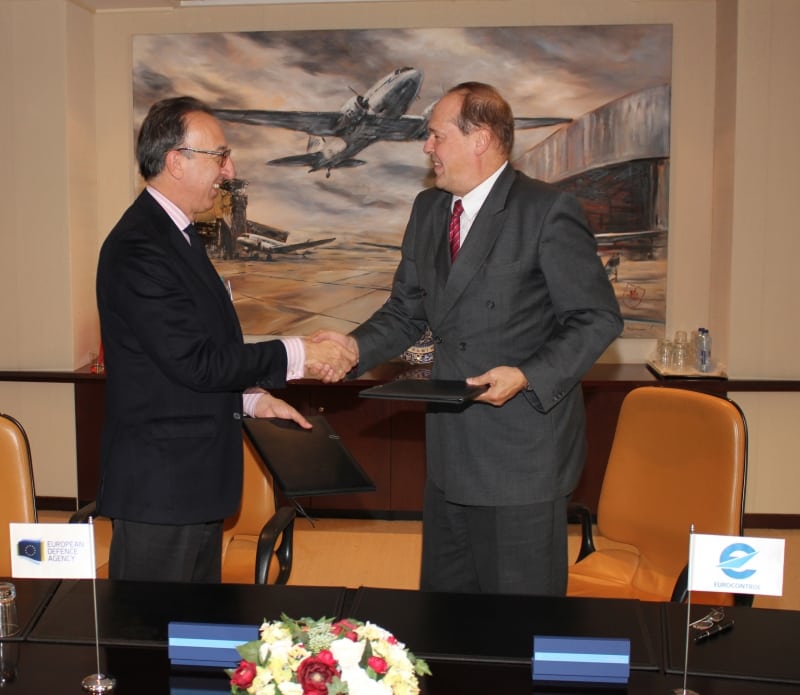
542, 71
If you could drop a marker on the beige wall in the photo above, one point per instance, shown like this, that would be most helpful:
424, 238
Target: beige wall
762, 210
734, 145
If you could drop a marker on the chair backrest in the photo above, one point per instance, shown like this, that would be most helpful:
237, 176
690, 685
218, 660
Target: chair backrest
258, 500
17, 494
679, 458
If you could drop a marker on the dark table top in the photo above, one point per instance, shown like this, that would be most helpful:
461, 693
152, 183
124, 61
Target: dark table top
139, 613
58, 669
762, 645
486, 628
473, 643
32, 597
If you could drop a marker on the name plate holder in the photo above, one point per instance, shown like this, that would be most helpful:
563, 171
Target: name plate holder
207, 644
592, 661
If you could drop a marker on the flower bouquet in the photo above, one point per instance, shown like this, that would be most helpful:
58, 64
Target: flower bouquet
311, 657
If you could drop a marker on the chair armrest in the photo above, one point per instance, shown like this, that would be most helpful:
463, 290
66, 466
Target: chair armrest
680, 591
577, 512
282, 522
83, 514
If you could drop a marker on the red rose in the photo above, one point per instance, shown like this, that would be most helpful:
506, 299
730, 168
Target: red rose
243, 676
346, 627
315, 672
378, 664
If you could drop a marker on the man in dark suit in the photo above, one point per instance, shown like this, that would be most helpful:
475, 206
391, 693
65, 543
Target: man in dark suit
176, 363
525, 308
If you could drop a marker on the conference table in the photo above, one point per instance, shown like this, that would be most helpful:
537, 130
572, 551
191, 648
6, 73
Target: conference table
473, 643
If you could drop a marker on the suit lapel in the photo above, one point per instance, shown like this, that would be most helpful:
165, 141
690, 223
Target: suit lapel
201, 265
439, 220
483, 234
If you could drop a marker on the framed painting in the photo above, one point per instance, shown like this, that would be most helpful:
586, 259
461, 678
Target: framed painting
327, 127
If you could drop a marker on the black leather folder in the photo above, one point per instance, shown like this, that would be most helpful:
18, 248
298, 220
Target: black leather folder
431, 390
306, 462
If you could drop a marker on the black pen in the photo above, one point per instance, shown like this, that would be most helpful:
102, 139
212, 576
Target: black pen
715, 629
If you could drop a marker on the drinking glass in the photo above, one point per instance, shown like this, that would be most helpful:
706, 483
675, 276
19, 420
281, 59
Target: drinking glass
9, 624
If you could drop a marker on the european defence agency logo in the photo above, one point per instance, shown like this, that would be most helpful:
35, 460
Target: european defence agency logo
735, 558
64, 551
31, 550
51, 550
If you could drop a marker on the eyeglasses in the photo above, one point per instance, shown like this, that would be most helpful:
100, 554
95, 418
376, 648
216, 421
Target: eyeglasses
709, 620
222, 155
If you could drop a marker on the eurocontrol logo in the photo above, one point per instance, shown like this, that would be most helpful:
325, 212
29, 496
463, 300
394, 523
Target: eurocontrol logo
734, 557
736, 564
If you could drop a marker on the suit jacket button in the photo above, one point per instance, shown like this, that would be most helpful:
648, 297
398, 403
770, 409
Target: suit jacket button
237, 416
437, 340
462, 345
490, 304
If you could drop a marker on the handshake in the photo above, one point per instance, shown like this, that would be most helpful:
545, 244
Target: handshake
329, 355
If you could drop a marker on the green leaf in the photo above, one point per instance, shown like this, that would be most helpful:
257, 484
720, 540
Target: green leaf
249, 651
421, 667
337, 687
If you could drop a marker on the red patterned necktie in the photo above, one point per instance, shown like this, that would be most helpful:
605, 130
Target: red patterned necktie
455, 229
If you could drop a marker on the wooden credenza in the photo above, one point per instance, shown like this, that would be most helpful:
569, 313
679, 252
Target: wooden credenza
388, 437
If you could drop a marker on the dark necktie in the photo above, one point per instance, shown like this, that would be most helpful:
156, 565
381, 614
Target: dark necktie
198, 250
196, 243
201, 261
455, 229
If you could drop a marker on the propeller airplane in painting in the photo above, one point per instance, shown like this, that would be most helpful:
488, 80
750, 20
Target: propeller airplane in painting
260, 245
378, 114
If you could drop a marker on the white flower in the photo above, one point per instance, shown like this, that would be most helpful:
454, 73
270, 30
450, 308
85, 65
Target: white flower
274, 632
359, 683
371, 631
263, 652
290, 689
347, 652
279, 649
265, 689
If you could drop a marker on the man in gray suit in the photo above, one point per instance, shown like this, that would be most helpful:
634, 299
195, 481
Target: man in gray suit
525, 307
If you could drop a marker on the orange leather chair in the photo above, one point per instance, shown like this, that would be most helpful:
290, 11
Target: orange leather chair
16, 483
679, 458
257, 540
262, 543
258, 532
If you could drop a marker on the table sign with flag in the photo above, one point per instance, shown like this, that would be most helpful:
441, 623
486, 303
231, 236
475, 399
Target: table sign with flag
52, 551
736, 565
61, 551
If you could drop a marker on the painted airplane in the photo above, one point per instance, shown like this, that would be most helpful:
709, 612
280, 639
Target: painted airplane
258, 244
378, 114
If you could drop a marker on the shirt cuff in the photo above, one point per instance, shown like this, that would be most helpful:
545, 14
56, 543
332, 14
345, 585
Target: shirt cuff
295, 357
249, 400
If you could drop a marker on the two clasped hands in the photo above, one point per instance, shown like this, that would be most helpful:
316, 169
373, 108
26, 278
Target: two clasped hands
330, 355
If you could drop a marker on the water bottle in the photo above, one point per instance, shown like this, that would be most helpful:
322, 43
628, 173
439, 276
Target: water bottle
703, 361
